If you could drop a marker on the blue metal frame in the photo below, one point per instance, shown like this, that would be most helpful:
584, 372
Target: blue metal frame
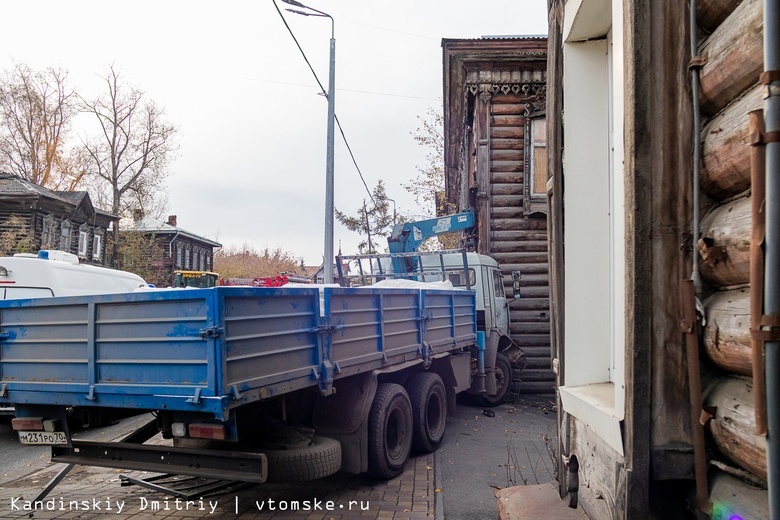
253, 343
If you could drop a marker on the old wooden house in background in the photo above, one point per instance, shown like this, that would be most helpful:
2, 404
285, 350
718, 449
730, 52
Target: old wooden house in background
624, 237
177, 248
34, 218
495, 161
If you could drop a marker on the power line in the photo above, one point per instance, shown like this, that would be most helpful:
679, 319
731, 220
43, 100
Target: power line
324, 92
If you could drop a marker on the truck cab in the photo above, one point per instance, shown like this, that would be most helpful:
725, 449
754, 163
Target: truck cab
469, 270
464, 270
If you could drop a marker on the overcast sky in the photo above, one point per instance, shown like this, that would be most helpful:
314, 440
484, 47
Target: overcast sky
252, 127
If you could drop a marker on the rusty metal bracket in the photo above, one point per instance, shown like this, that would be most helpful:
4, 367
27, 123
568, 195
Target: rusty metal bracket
698, 61
707, 414
687, 326
760, 139
768, 76
768, 329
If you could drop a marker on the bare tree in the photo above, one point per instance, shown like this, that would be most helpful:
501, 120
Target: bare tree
16, 237
428, 186
36, 110
247, 262
132, 150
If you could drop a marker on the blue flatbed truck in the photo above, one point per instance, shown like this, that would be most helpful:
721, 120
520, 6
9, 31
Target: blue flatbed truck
251, 384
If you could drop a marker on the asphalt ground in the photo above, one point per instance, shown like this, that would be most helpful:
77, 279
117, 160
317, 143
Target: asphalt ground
487, 449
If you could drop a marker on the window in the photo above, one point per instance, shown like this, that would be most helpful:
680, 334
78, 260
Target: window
186, 258
498, 284
178, 256
593, 231
65, 235
47, 235
83, 240
538, 151
97, 245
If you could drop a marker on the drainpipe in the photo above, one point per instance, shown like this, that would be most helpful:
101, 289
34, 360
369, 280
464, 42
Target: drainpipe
693, 287
695, 67
771, 79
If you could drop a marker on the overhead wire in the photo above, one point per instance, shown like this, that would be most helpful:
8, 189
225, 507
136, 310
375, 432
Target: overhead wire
325, 93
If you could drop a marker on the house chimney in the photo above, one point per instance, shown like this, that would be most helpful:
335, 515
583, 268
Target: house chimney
172, 220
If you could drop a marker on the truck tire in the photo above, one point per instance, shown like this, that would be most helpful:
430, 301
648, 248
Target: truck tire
322, 457
503, 373
389, 431
429, 411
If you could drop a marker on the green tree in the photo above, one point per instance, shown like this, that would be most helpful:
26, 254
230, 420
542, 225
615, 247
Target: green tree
373, 220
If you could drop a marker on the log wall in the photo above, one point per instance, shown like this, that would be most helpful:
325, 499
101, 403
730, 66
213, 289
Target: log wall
518, 241
731, 43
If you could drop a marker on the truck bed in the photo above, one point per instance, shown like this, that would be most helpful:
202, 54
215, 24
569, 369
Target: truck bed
208, 350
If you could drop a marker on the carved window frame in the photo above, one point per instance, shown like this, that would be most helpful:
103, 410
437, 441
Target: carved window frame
534, 200
66, 235
48, 237
83, 244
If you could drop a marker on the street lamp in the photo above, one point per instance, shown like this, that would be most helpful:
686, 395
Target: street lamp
329, 210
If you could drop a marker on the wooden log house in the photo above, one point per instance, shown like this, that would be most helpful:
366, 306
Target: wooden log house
632, 425
495, 163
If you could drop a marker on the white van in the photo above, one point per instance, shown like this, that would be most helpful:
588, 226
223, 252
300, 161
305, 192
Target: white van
57, 273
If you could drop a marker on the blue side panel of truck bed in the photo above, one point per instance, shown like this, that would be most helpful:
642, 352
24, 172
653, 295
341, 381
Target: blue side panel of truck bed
211, 349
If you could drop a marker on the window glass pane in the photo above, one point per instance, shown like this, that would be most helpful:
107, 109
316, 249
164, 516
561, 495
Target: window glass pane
539, 157
83, 241
97, 247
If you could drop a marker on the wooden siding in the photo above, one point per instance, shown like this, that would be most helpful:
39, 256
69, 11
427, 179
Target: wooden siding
518, 241
490, 87
729, 93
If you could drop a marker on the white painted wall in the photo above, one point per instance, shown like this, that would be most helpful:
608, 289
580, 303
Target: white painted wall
617, 374
586, 206
594, 217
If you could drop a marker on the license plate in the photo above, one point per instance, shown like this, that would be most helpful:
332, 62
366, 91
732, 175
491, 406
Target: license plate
44, 438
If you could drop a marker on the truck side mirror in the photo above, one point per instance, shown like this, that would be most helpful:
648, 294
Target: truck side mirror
516, 276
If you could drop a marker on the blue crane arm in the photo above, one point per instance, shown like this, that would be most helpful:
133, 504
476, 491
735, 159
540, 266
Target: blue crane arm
408, 236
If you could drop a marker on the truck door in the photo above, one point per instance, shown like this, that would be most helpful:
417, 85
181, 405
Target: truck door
500, 306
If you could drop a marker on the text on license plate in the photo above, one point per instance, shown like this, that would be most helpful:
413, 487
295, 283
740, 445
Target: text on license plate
42, 438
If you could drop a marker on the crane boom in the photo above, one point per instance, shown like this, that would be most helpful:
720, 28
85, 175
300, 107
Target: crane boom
407, 237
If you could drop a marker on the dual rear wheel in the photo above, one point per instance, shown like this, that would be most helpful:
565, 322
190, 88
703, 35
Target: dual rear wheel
401, 420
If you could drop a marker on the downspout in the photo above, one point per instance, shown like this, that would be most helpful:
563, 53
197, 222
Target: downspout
690, 289
771, 319
695, 68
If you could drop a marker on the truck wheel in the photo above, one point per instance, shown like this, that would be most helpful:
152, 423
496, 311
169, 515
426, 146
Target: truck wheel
389, 431
429, 408
322, 457
503, 373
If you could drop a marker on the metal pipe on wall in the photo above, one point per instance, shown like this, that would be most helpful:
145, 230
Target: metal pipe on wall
771, 79
695, 276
